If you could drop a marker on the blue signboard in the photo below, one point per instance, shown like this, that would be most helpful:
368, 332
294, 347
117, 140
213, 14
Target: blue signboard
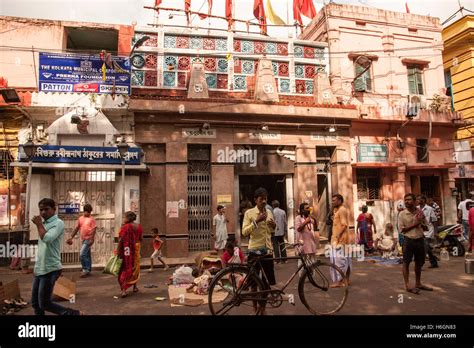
69, 208
372, 153
82, 73
83, 154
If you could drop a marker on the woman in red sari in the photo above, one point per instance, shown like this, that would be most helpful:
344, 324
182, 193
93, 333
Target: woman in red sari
129, 251
366, 228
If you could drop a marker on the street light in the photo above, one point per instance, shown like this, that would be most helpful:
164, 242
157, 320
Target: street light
139, 43
123, 149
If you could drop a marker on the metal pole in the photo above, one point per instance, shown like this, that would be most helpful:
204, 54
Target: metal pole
27, 201
123, 187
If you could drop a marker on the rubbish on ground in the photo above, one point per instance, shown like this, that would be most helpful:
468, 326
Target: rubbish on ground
65, 288
150, 286
160, 298
187, 301
116, 297
183, 275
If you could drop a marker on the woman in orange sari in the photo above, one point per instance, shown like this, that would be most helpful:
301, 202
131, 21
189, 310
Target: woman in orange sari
129, 251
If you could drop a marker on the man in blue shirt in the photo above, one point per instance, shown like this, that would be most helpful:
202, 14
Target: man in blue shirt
48, 265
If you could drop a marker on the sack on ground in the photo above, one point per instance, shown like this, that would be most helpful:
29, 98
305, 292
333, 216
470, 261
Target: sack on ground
183, 275
113, 266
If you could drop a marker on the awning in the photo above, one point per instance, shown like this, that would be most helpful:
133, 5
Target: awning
376, 165
80, 166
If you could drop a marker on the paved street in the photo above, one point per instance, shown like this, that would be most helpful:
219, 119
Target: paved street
375, 289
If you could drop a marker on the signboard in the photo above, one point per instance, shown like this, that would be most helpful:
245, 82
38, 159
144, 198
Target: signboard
372, 153
264, 135
82, 154
224, 200
323, 137
198, 133
69, 208
172, 209
82, 73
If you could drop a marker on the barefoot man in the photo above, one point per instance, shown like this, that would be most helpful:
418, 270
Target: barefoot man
411, 224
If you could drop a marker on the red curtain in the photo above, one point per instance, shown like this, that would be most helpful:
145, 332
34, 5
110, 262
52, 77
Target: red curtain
259, 13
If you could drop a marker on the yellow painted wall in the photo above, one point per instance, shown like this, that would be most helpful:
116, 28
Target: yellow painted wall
458, 42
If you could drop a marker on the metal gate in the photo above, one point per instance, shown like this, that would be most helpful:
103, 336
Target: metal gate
98, 189
199, 199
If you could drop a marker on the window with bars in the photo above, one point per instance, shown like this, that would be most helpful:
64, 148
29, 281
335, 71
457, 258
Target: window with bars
364, 82
6, 160
415, 79
368, 184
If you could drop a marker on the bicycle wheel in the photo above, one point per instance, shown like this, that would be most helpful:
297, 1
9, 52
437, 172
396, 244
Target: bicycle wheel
231, 292
315, 292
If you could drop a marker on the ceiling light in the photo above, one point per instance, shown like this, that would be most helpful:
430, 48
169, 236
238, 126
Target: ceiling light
332, 129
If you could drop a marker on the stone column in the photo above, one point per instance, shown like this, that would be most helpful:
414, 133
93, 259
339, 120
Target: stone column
449, 201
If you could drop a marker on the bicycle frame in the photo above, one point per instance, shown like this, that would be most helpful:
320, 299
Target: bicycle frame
252, 270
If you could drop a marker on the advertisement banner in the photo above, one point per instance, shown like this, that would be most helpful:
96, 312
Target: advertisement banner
82, 73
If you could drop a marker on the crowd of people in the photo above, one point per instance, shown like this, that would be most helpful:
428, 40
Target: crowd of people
266, 226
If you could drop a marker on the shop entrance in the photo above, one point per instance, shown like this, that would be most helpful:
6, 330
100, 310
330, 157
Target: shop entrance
74, 189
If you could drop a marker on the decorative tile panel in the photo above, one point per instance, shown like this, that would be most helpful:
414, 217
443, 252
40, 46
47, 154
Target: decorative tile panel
169, 79
309, 52
271, 48
301, 86
150, 78
222, 65
299, 52
196, 43
170, 62
284, 86
299, 70
182, 79
184, 63
138, 78
247, 47
248, 67
283, 69
282, 49
309, 71
240, 83
309, 87
170, 41
237, 46
209, 44
221, 44
222, 81
151, 61
210, 64
211, 80
182, 42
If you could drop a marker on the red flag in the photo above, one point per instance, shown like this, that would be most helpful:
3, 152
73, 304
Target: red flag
203, 16
158, 3
406, 7
297, 11
259, 13
187, 8
228, 12
308, 9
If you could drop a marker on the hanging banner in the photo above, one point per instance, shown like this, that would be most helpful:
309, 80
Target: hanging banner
82, 154
82, 73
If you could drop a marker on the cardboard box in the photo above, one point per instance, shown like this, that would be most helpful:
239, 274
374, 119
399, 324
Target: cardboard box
65, 288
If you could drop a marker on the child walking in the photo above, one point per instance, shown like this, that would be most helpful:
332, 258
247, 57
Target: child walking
157, 244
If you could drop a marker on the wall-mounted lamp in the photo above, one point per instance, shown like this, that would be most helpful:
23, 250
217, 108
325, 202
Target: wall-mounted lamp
264, 128
332, 129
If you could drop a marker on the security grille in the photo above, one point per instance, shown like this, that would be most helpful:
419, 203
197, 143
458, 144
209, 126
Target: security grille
199, 204
368, 184
98, 189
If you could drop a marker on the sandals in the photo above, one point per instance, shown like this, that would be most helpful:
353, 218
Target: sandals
415, 291
424, 287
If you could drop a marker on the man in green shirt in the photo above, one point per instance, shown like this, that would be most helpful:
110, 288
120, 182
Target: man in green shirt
48, 265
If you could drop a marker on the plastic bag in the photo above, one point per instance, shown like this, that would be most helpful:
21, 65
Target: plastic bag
183, 275
113, 266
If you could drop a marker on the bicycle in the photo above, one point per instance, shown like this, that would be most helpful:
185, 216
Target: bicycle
240, 289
